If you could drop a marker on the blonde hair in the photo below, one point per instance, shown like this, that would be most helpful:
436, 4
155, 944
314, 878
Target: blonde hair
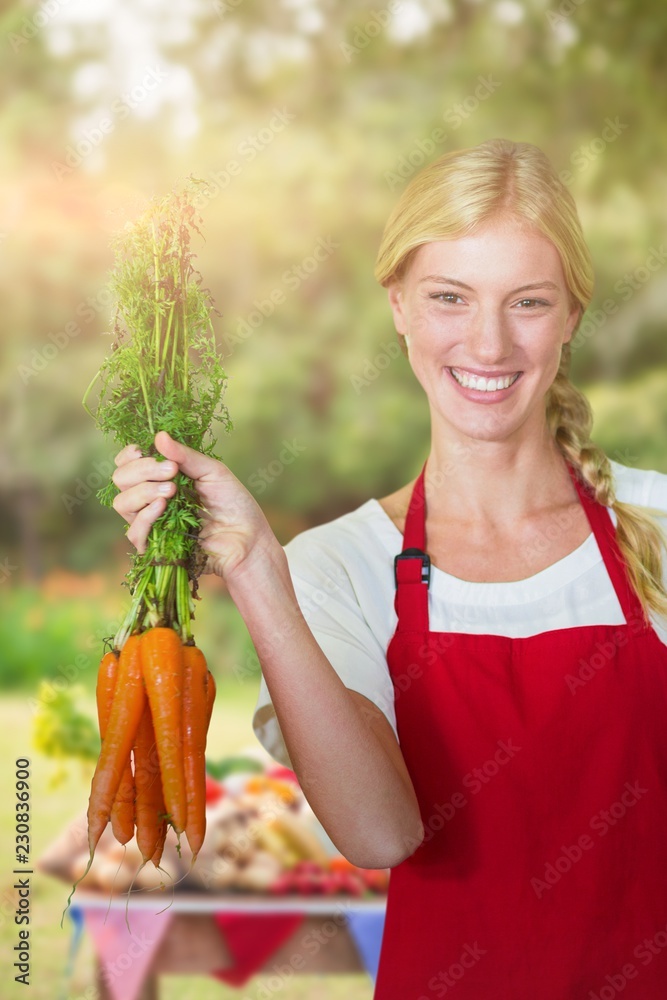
450, 198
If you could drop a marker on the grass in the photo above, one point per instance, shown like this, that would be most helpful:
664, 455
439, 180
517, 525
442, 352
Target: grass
54, 630
52, 810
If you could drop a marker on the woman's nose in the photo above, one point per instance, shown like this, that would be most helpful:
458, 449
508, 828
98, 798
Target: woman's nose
489, 337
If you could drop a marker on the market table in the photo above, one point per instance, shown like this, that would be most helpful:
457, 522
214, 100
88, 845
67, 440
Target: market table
232, 937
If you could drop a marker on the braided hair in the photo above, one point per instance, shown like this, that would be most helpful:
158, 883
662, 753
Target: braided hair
640, 537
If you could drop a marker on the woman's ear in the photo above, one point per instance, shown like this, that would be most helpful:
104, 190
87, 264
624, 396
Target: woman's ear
573, 318
396, 301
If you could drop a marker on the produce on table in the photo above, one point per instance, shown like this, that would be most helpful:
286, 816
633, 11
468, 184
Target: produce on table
231, 765
257, 842
284, 773
214, 790
263, 783
155, 691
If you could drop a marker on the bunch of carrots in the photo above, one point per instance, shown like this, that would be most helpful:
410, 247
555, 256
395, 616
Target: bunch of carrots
155, 692
154, 703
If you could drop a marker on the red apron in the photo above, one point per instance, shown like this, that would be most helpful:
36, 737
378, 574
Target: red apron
540, 766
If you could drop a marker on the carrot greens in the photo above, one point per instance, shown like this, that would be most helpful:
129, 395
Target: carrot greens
163, 373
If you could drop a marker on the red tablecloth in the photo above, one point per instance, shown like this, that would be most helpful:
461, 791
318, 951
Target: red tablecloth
252, 939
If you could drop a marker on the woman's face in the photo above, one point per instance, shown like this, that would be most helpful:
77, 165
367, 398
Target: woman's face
468, 316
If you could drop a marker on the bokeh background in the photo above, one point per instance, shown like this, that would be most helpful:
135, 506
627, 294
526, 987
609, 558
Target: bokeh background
304, 119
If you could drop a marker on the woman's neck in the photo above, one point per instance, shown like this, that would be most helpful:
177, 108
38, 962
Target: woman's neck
496, 482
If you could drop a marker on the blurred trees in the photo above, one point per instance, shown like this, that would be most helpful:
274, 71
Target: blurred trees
305, 119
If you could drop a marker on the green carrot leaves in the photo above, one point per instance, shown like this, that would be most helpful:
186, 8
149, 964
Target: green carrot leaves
163, 373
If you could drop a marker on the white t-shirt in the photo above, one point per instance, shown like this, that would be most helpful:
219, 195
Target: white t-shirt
343, 574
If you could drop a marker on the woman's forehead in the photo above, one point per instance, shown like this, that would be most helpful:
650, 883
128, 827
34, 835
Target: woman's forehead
501, 251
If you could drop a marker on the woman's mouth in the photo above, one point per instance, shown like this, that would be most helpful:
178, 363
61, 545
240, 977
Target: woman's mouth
480, 387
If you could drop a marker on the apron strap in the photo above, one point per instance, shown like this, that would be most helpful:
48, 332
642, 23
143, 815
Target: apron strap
412, 566
605, 535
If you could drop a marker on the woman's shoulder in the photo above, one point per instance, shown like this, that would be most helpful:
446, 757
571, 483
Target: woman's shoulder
642, 487
362, 533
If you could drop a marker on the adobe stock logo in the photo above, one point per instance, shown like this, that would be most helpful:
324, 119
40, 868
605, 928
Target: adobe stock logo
440, 984
604, 653
571, 854
474, 781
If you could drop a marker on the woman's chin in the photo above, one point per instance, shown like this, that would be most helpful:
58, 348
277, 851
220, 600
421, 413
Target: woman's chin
485, 424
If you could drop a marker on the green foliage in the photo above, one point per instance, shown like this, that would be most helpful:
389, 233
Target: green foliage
59, 637
60, 729
163, 373
631, 420
219, 769
48, 638
362, 125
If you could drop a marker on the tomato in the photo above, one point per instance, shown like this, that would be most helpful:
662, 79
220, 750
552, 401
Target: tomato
351, 884
375, 879
214, 790
338, 863
283, 773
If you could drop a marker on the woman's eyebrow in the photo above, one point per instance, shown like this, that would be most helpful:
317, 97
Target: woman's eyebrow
452, 281
445, 281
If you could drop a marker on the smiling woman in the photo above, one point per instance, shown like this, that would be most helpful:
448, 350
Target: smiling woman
491, 335
467, 674
471, 233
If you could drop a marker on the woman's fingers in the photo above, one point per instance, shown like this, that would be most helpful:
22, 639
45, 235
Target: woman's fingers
191, 462
145, 487
141, 470
131, 501
142, 523
132, 468
128, 454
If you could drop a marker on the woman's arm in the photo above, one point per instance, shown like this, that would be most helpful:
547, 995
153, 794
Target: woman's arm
344, 754
355, 780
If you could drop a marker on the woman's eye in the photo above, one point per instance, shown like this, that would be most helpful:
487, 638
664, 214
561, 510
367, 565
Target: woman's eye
445, 296
538, 302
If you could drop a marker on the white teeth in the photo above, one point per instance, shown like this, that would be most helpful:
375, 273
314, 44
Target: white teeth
481, 383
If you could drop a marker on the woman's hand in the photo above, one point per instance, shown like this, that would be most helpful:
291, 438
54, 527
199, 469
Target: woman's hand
234, 529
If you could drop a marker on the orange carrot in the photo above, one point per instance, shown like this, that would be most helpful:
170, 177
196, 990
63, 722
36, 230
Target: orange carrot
149, 802
195, 713
106, 685
124, 717
210, 697
159, 847
122, 811
162, 659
